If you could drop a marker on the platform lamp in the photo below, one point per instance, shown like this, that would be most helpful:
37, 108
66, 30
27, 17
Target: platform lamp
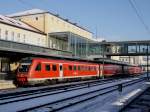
147, 62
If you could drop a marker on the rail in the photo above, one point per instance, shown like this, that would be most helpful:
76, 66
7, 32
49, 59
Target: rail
77, 99
72, 96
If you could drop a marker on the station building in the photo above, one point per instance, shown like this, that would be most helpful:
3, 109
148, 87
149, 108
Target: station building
61, 33
42, 28
18, 32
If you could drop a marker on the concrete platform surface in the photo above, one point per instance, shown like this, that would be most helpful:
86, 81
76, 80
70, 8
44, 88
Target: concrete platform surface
6, 84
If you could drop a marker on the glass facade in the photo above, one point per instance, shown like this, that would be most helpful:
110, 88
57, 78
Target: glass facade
88, 48
78, 45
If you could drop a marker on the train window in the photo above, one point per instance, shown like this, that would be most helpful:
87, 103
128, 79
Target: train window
24, 67
60, 67
54, 67
89, 68
82, 68
75, 67
38, 67
86, 68
70, 67
94, 68
79, 68
47, 67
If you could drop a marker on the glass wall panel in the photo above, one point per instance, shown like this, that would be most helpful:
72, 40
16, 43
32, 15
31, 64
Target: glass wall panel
143, 48
132, 49
79, 46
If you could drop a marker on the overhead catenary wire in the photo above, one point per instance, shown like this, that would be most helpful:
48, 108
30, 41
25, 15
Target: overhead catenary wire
27, 4
139, 15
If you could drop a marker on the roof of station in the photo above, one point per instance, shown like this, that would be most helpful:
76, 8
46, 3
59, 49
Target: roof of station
17, 23
39, 11
27, 12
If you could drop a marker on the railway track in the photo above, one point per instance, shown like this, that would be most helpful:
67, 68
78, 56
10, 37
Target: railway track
52, 90
62, 99
37, 90
140, 104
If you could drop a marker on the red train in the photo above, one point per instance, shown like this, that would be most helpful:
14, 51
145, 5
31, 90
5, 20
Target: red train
39, 70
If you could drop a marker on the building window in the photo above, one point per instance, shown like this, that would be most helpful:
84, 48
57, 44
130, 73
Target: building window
64, 24
52, 18
12, 36
36, 18
4, 67
57, 21
24, 38
50, 43
18, 37
38, 42
0, 32
6, 34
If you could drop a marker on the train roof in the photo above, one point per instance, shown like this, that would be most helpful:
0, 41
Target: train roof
101, 60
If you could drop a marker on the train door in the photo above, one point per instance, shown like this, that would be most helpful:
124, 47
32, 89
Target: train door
61, 70
101, 70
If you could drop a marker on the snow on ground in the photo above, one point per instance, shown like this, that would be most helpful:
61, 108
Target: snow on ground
16, 106
111, 102
35, 88
106, 103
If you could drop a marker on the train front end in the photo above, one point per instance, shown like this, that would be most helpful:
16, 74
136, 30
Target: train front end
23, 74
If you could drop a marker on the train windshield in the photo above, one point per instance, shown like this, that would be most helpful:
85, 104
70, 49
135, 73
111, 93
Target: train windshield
24, 67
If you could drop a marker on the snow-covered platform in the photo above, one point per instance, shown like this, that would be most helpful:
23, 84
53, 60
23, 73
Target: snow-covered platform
6, 84
113, 102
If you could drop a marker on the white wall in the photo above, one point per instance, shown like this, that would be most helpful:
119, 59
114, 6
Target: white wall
22, 36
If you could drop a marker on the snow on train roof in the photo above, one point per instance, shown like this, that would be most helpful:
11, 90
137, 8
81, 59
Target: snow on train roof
17, 23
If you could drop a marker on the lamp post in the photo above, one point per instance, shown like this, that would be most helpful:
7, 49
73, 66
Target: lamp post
147, 63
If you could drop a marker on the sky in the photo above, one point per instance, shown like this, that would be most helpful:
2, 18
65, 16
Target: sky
112, 20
